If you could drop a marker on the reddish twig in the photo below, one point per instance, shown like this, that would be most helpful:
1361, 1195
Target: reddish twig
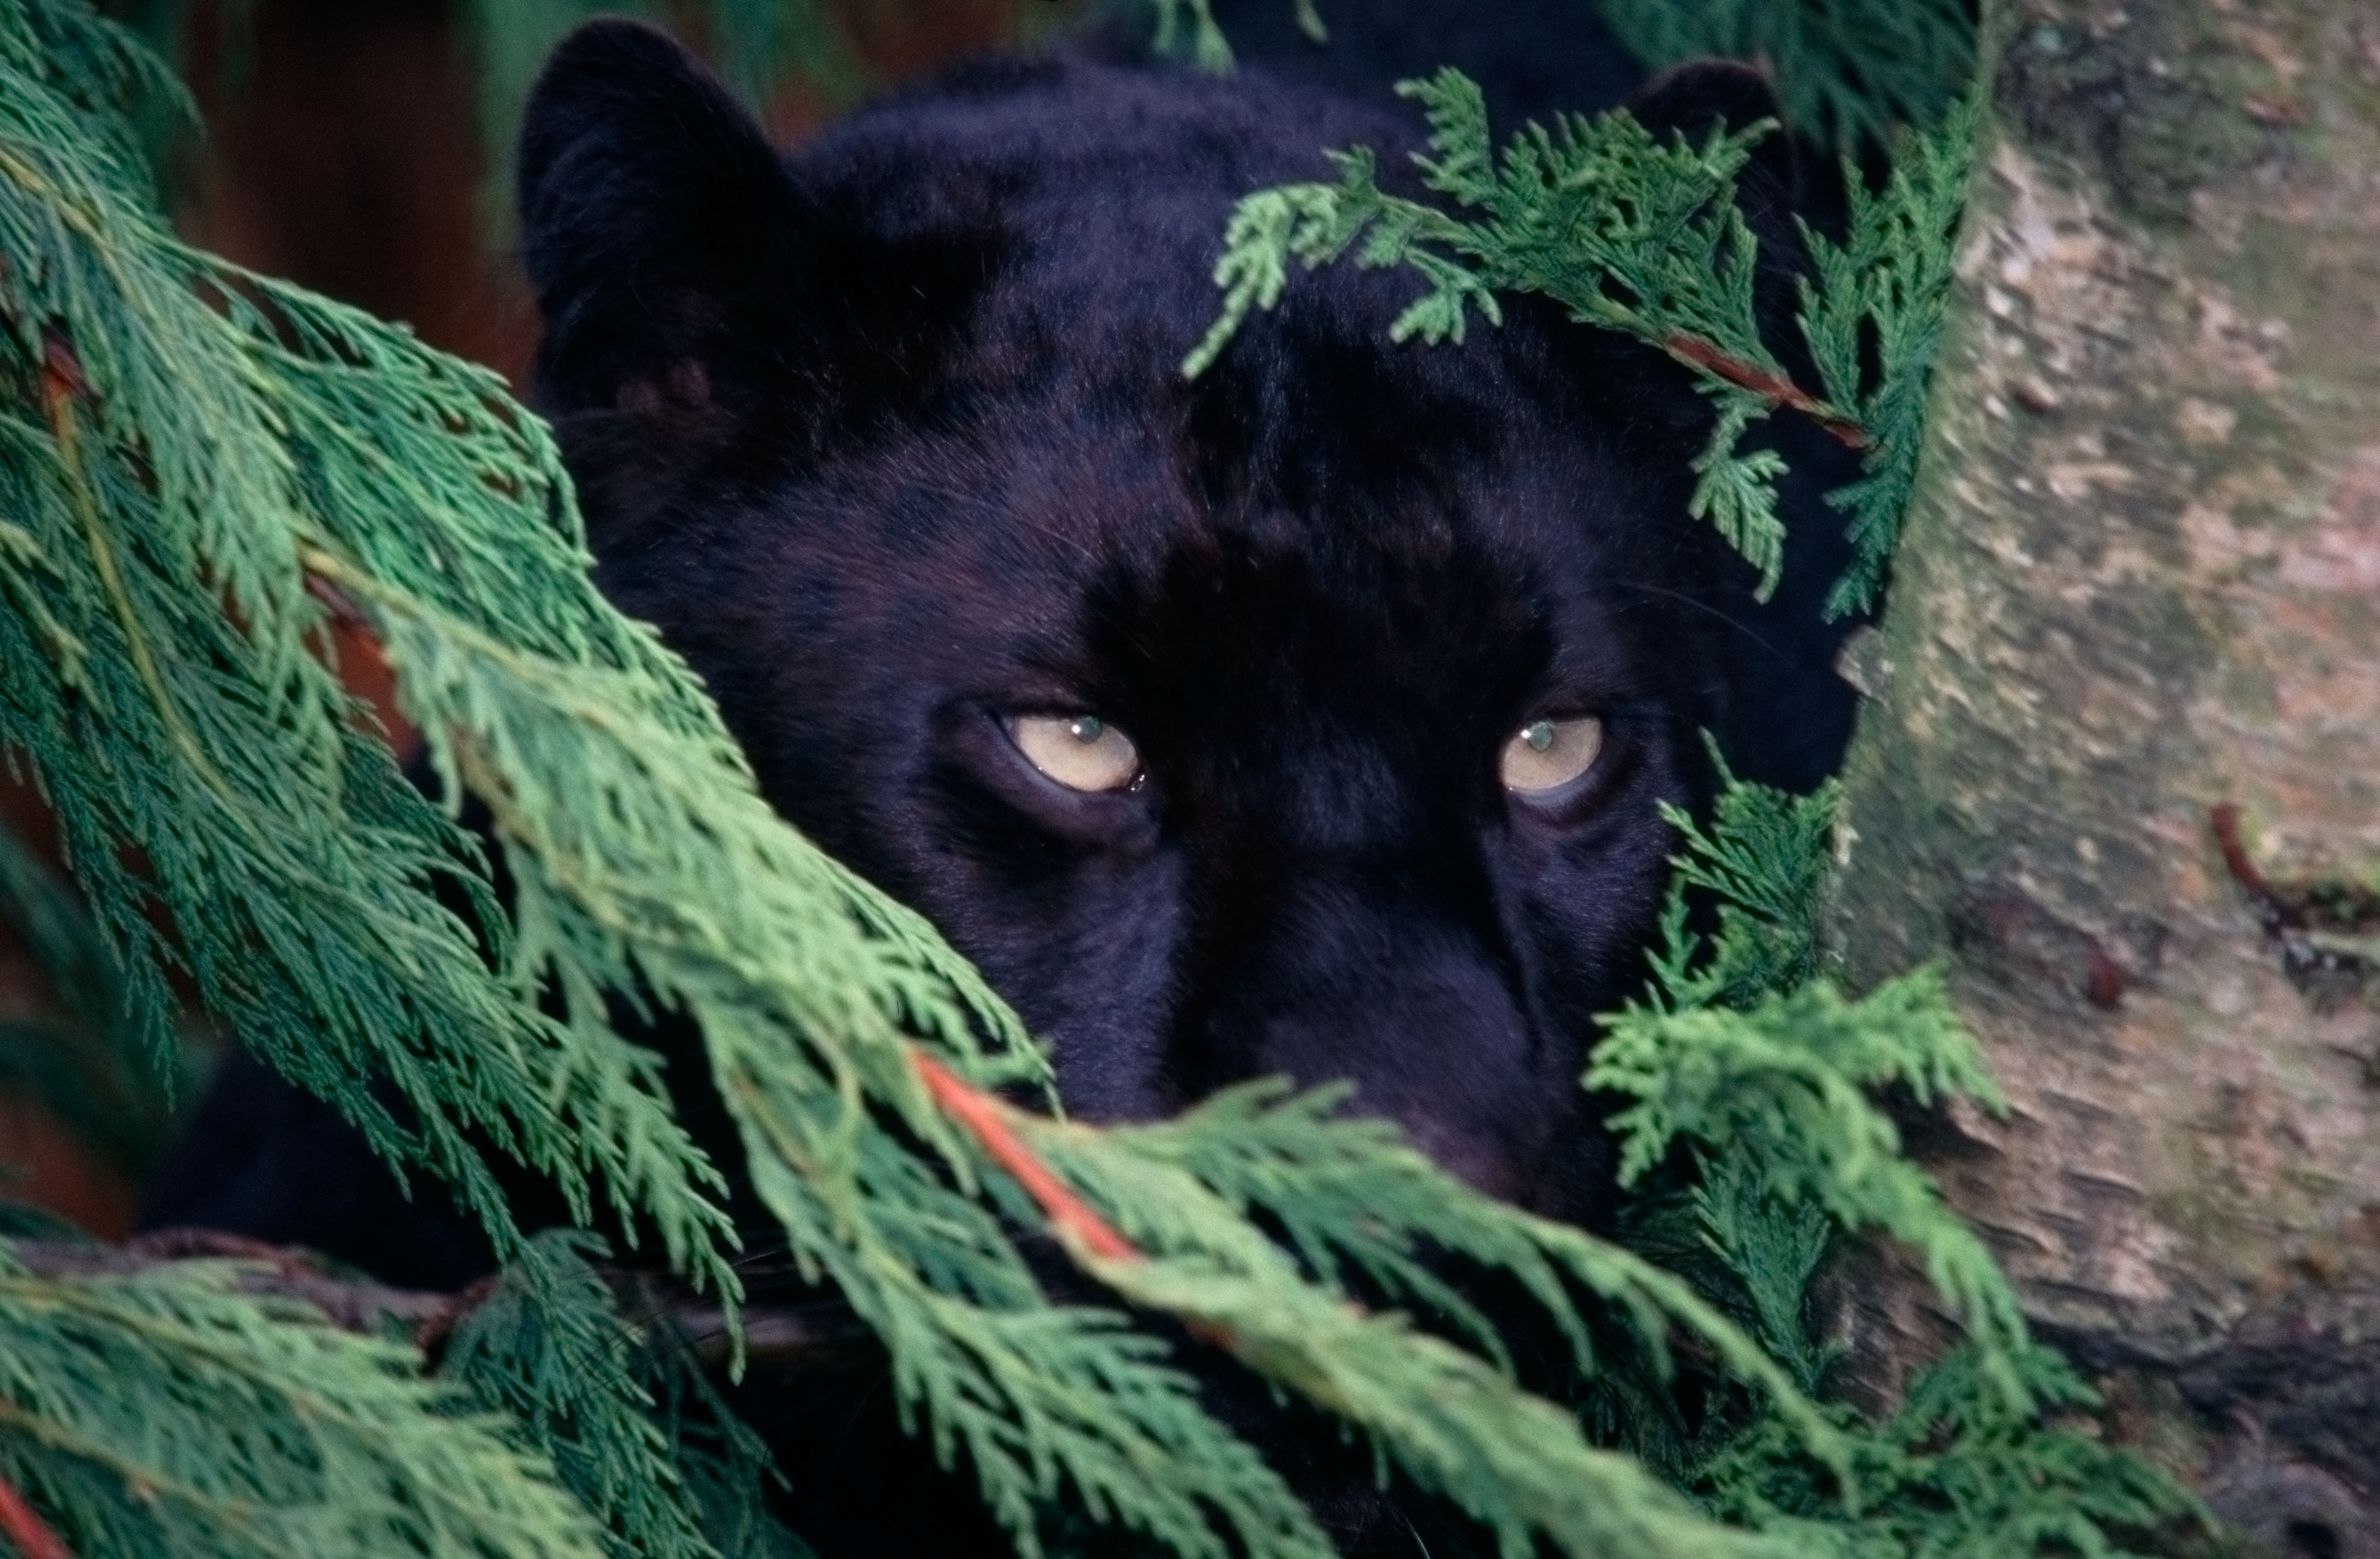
28, 1532
338, 603
2225, 821
437, 1329
62, 375
2293, 914
779, 1338
1775, 389
981, 1114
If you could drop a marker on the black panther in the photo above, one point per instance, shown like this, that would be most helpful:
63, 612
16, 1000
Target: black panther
1310, 717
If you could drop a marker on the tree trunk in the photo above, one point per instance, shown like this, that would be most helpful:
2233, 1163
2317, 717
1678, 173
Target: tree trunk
2137, 611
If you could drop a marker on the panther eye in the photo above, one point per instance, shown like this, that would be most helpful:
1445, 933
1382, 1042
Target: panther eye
1547, 754
1080, 751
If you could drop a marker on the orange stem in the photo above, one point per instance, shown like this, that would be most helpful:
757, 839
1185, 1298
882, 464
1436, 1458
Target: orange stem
984, 1117
1773, 388
31, 1536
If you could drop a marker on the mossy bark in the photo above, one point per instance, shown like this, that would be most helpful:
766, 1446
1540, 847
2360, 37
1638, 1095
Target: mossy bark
2141, 584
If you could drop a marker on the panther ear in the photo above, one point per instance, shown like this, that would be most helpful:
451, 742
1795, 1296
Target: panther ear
656, 222
1701, 93
679, 266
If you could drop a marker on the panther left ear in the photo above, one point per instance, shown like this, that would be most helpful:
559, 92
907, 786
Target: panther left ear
680, 266
658, 226
1693, 96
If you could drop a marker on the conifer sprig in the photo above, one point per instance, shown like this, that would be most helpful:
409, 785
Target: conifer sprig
175, 429
85, 1061
203, 468
1624, 230
1186, 29
548, 1347
176, 432
1958, 1471
252, 1430
1353, 1192
1641, 236
1742, 1051
1887, 283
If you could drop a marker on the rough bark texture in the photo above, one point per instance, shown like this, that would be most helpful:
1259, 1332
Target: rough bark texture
2141, 584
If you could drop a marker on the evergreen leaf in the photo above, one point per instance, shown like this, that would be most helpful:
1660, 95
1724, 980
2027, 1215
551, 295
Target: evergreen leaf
1956, 1471
1741, 1050
1764, 860
1737, 492
547, 1346
726, 1467
1887, 283
164, 1412
1644, 237
181, 432
1787, 1080
1626, 231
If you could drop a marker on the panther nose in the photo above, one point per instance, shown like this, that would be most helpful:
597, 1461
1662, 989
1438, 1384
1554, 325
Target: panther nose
1487, 1167
1455, 1074
1391, 991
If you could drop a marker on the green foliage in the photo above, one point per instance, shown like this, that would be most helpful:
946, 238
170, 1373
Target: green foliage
1744, 1051
1186, 29
1788, 1082
1857, 70
86, 1062
203, 471
1641, 235
620, 1408
176, 433
1352, 1197
629, 1423
1966, 1467
166, 1413
548, 1346
1888, 284
1959, 1473
1763, 864
1626, 231
726, 1467
1740, 1050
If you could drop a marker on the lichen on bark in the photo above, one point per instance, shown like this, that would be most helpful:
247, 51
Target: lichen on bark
2141, 581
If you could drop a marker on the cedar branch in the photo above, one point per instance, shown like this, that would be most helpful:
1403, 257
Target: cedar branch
1070, 1217
1775, 389
785, 1337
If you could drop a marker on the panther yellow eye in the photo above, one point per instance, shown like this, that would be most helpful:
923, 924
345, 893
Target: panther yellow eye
1547, 754
1080, 751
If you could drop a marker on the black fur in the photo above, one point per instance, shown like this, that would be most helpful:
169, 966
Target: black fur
890, 439
904, 449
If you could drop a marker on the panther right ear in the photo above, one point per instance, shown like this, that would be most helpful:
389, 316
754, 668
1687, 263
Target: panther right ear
678, 266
